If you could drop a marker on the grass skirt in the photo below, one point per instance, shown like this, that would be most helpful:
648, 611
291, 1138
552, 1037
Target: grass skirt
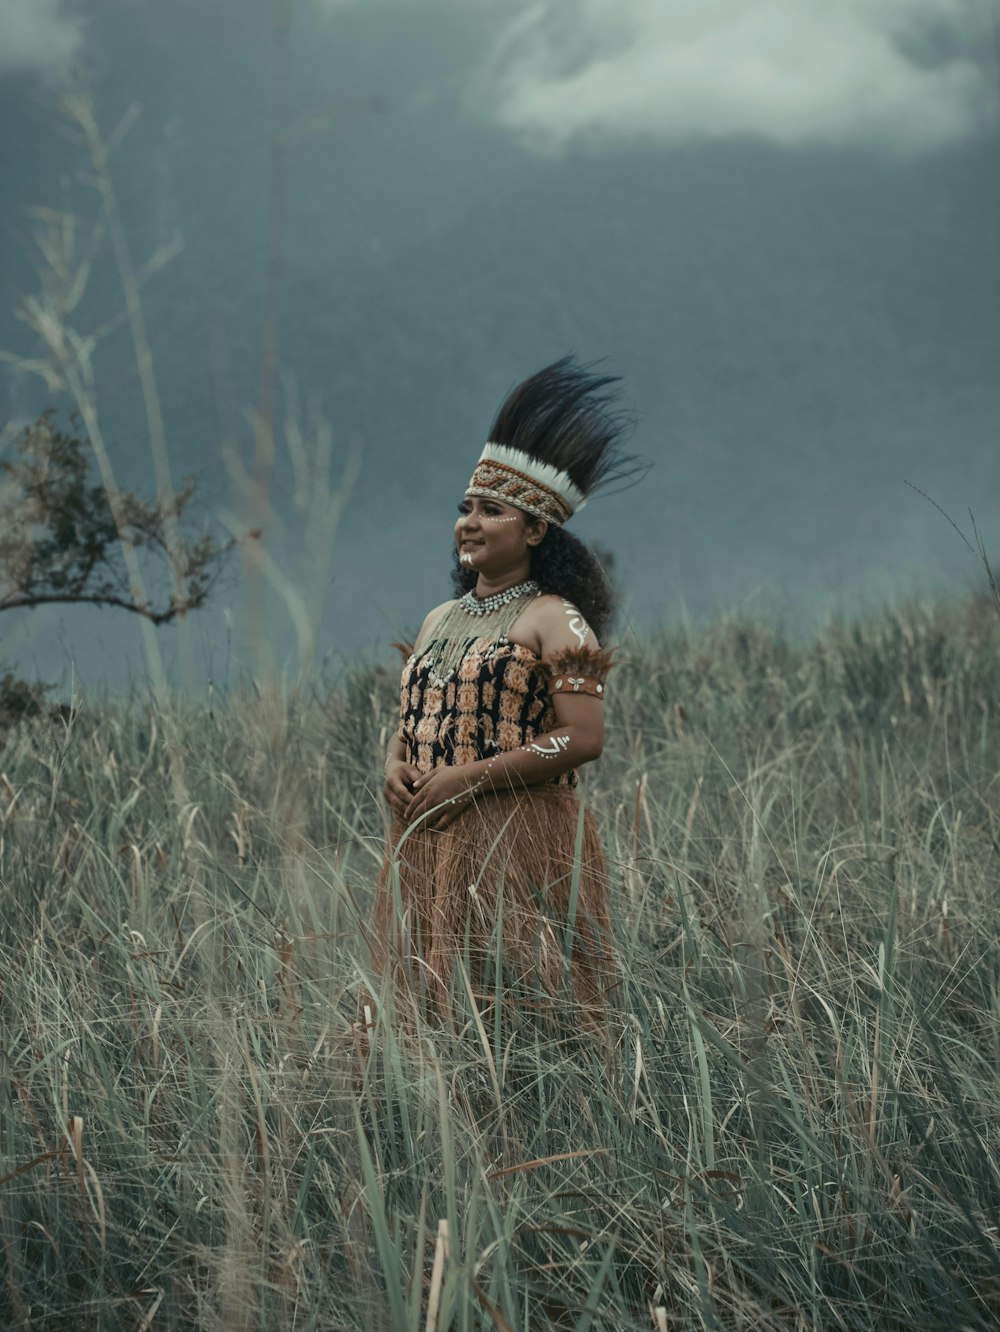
515, 889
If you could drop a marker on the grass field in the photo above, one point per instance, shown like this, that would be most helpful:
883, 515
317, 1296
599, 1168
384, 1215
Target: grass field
798, 1128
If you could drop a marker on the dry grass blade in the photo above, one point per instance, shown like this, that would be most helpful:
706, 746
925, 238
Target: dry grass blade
147, 1319
499, 1322
546, 1160
76, 1143
28, 1165
437, 1276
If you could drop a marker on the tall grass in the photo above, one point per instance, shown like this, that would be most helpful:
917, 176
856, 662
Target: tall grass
796, 1127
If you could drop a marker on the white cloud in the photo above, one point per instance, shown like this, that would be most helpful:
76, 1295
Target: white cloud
38, 35
900, 75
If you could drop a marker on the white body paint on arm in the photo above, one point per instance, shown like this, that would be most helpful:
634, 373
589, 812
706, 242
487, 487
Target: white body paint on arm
578, 625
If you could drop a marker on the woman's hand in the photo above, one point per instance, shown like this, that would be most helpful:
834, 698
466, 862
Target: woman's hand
452, 783
400, 778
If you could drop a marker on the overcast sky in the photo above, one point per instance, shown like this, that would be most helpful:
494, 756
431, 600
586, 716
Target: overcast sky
903, 76
777, 221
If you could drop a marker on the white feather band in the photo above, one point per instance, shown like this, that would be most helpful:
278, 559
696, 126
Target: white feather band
541, 472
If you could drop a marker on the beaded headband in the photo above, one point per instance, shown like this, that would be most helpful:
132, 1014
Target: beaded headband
517, 478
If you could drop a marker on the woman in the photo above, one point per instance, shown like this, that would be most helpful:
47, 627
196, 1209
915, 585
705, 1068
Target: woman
490, 861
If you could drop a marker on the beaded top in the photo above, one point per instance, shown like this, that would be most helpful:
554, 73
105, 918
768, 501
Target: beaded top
470, 619
496, 700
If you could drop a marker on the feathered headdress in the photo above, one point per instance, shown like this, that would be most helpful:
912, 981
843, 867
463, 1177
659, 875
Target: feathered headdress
554, 441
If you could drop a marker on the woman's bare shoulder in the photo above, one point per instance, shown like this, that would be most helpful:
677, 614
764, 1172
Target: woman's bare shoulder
548, 603
561, 623
430, 620
550, 608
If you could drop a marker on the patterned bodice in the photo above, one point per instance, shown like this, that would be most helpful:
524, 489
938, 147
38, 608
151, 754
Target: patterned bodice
496, 700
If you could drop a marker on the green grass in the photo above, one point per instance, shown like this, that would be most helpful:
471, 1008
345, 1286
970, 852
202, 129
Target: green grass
797, 1128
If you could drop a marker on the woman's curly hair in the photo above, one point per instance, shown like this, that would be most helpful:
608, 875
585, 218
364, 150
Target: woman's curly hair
563, 565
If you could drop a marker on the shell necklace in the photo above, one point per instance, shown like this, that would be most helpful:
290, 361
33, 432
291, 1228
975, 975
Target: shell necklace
473, 605
491, 617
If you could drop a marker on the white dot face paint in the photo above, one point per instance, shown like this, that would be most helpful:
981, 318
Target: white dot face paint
498, 518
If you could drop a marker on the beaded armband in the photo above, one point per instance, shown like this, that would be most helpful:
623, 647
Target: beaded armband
577, 684
579, 671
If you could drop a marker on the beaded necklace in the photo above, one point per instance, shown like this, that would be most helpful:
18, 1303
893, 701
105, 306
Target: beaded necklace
473, 605
490, 617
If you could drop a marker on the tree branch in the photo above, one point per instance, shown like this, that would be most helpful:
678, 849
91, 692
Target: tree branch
95, 599
63, 541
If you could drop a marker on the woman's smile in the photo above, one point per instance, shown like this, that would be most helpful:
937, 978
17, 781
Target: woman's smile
491, 540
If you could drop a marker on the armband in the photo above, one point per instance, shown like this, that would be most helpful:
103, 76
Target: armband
579, 671
578, 684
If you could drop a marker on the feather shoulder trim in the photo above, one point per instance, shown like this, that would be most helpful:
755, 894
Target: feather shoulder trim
405, 650
569, 667
581, 661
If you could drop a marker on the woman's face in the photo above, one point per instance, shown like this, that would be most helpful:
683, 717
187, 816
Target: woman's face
492, 537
